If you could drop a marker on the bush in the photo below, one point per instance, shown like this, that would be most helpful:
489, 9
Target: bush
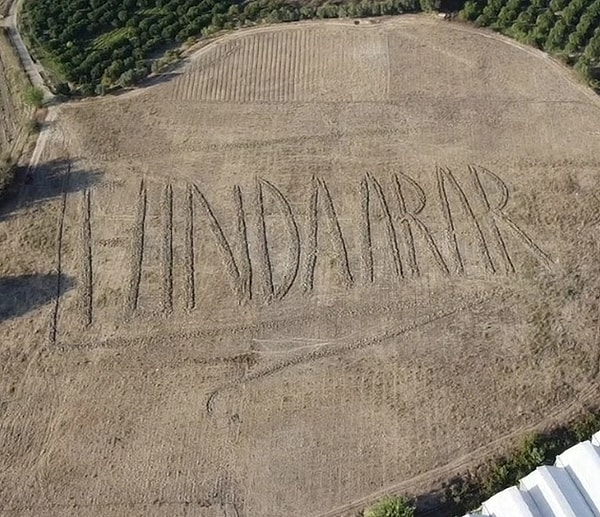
391, 507
63, 89
127, 78
471, 11
34, 96
430, 5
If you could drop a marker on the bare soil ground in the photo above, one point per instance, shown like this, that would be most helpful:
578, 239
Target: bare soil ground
320, 262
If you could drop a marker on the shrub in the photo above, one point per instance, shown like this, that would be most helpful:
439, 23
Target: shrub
430, 5
471, 11
63, 89
391, 507
34, 96
32, 126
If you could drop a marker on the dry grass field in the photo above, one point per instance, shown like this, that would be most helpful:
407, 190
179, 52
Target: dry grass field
13, 112
319, 262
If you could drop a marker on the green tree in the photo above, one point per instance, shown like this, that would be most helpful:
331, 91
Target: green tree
127, 78
585, 28
472, 10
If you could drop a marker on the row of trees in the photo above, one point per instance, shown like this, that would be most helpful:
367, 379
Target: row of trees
96, 45
566, 28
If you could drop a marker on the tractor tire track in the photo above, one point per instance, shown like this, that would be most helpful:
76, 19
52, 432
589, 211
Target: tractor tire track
476, 457
60, 230
329, 351
189, 258
167, 250
86, 260
137, 251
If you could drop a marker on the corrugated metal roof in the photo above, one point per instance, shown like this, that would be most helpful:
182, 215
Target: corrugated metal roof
582, 462
571, 488
555, 493
511, 501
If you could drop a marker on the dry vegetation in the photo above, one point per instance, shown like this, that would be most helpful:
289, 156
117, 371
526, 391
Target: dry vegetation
4, 7
13, 112
323, 261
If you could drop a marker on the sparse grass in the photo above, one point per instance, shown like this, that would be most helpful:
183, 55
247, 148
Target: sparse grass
15, 111
12, 72
6, 171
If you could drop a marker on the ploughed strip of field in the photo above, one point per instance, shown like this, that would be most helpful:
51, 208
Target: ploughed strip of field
318, 261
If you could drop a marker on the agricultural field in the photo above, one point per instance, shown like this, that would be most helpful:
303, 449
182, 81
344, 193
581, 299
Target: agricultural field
13, 112
317, 263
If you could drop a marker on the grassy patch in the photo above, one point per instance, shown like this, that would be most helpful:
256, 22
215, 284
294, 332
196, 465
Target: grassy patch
12, 72
16, 111
391, 507
34, 96
112, 38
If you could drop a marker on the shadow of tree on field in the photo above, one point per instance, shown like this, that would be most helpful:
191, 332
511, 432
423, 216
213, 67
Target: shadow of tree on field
165, 77
45, 182
147, 82
23, 293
